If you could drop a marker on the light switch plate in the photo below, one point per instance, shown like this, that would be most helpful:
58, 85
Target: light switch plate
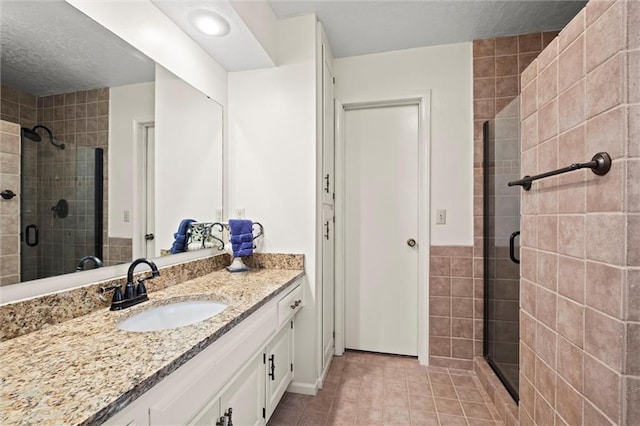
441, 217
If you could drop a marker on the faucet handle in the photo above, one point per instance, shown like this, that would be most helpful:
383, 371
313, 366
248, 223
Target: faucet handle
117, 295
141, 289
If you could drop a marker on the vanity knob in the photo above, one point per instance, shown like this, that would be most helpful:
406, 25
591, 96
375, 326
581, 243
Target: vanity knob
296, 304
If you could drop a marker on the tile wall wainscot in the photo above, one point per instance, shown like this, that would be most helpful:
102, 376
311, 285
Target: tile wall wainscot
10, 209
452, 308
30, 315
580, 256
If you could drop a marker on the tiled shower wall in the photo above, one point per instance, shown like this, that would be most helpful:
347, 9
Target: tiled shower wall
9, 209
80, 121
580, 286
456, 273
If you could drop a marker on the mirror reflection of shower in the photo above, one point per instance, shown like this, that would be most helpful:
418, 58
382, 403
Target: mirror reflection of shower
61, 183
33, 135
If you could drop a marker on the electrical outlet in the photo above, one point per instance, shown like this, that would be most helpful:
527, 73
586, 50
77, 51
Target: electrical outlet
441, 217
240, 213
127, 216
218, 215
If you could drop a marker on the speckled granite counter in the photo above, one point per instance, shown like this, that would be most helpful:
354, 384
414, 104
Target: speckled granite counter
84, 370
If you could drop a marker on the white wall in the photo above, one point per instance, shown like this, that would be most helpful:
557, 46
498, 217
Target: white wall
446, 71
272, 147
127, 105
188, 156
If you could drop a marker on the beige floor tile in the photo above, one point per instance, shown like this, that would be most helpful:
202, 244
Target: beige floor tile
419, 388
285, 416
464, 381
368, 416
449, 406
396, 416
468, 394
440, 379
422, 403
444, 391
373, 389
476, 411
446, 420
423, 418
313, 418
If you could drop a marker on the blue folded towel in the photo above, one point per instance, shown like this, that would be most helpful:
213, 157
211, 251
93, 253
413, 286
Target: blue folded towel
242, 246
178, 245
242, 238
240, 226
243, 253
241, 231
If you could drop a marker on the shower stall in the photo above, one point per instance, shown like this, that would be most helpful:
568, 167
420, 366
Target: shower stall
61, 205
501, 138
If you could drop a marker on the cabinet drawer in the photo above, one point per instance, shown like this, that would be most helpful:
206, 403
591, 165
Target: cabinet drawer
290, 304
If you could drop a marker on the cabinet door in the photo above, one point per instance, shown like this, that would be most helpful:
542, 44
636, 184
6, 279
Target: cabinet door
245, 395
279, 366
328, 285
328, 140
209, 415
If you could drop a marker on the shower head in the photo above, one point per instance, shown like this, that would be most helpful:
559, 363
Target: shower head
34, 136
30, 134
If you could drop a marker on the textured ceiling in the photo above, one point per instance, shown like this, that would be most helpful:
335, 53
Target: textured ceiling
50, 47
361, 27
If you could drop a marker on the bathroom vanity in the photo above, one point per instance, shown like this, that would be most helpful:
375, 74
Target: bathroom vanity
247, 370
86, 370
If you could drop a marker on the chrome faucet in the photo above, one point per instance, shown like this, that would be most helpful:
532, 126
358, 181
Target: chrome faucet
132, 294
97, 262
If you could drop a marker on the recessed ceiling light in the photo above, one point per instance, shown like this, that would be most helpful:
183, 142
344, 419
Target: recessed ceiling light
209, 22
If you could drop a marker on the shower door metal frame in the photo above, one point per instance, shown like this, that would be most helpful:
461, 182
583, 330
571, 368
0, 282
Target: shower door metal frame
98, 201
485, 224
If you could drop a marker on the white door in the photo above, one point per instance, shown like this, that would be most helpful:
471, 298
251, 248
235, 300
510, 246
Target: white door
381, 229
149, 193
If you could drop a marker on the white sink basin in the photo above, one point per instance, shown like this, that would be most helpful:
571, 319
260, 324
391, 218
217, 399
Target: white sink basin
171, 316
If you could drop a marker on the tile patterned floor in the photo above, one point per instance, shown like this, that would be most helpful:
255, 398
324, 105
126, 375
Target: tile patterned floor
373, 389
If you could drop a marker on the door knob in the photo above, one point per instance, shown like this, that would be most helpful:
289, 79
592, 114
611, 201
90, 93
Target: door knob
411, 242
149, 237
8, 194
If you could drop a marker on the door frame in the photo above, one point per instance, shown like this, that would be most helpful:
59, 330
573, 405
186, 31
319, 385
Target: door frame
140, 151
423, 101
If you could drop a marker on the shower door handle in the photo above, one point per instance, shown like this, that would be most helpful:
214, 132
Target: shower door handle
27, 237
512, 246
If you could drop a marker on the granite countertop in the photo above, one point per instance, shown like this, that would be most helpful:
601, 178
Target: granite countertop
84, 370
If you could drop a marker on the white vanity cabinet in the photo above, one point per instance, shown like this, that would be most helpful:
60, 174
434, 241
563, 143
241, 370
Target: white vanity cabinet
233, 372
279, 372
245, 395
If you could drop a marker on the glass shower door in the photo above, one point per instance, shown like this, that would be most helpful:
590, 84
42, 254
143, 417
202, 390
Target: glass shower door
501, 245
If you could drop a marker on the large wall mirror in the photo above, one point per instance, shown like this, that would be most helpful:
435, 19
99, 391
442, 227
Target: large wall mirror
114, 149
